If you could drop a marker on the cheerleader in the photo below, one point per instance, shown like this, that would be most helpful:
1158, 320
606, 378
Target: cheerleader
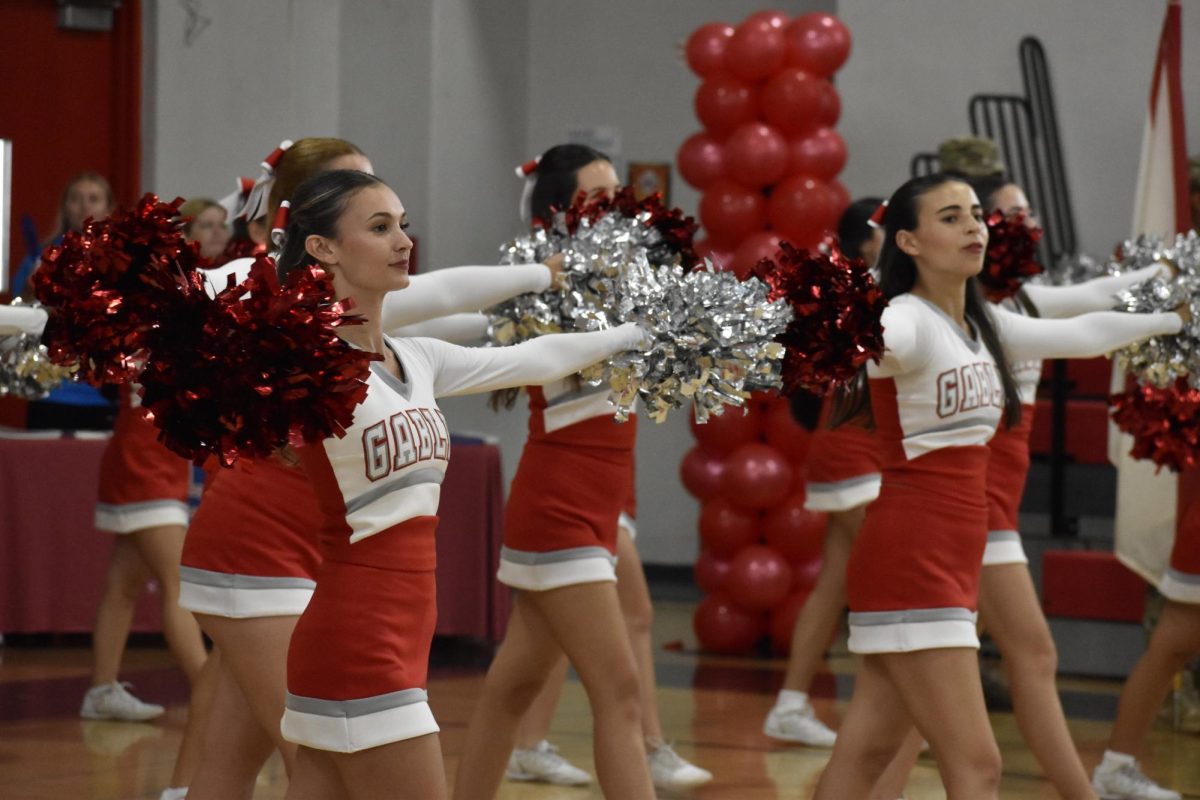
1174, 642
842, 478
936, 397
250, 559
567, 540
357, 661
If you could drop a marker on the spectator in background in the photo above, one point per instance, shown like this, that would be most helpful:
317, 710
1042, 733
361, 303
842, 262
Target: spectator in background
72, 406
205, 223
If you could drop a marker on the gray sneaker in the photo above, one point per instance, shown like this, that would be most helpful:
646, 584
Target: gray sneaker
672, 772
544, 764
798, 724
1128, 782
113, 701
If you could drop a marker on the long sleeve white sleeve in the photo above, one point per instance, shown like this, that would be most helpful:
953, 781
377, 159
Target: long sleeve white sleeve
21, 319
467, 328
1085, 336
1097, 294
473, 370
904, 337
457, 289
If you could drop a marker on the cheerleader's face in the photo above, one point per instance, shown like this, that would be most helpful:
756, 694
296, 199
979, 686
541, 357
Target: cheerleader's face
597, 179
369, 256
1010, 201
870, 248
950, 238
209, 229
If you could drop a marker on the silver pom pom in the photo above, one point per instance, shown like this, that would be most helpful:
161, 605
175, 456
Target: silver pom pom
25, 368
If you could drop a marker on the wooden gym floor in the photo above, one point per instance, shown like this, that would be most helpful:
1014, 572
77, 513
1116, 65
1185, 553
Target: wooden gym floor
712, 708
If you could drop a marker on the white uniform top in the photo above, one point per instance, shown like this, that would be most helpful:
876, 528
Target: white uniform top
1050, 302
389, 466
948, 393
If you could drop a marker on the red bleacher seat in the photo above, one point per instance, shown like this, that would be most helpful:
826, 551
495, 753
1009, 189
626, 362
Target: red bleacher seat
1089, 584
1086, 440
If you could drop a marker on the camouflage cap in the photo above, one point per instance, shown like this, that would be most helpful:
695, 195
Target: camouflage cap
973, 156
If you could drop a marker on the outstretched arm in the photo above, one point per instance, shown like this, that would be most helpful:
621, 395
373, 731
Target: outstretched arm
21, 319
473, 370
1085, 336
467, 328
1097, 294
457, 289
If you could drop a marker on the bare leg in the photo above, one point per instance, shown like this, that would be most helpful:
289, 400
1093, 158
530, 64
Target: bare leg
893, 780
535, 725
1008, 605
127, 575
638, 612
407, 770
162, 548
585, 621
195, 733
254, 652
1175, 640
235, 745
821, 612
316, 777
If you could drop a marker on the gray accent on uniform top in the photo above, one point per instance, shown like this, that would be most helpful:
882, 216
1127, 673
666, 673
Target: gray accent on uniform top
355, 708
830, 486
1183, 577
974, 344
226, 580
865, 618
435, 476
1003, 536
554, 556
404, 387
969, 422
118, 508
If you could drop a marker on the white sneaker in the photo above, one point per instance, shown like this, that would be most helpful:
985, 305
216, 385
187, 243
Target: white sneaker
1127, 782
544, 765
176, 793
113, 701
670, 771
798, 724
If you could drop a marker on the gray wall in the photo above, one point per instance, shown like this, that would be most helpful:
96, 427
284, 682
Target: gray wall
447, 96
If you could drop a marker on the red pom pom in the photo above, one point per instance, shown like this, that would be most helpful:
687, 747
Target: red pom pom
257, 369
837, 308
1164, 423
108, 287
1011, 256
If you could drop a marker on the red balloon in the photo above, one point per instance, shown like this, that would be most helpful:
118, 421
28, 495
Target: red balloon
776, 19
806, 573
795, 531
724, 102
725, 432
703, 473
784, 433
841, 196
783, 620
803, 210
757, 476
758, 155
757, 49
818, 43
821, 154
711, 571
725, 529
797, 102
722, 627
730, 212
721, 259
759, 578
701, 160
706, 48
754, 248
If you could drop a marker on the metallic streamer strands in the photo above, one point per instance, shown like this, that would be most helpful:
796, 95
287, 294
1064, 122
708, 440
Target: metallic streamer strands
26, 370
1160, 360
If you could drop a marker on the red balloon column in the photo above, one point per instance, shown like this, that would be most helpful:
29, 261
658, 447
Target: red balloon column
766, 163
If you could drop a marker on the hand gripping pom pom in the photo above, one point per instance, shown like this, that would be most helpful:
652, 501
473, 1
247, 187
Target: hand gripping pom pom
1161, 360
109, 286
837, 308
1011, 256
257, 369
1164, 423
26, 370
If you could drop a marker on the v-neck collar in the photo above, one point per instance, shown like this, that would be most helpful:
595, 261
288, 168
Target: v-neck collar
403, 386
973, 344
